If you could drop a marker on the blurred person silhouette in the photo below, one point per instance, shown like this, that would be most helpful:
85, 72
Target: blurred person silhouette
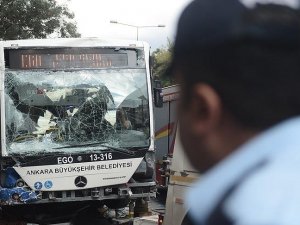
238, 63
122, 121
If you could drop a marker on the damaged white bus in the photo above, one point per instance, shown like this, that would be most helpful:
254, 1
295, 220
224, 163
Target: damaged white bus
76, 126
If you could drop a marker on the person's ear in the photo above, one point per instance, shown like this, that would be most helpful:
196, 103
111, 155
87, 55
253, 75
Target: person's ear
205, 108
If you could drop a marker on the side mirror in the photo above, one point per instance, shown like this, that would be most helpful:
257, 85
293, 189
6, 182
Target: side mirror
157, 92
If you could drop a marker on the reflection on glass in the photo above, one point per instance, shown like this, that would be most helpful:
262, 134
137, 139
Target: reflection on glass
47, 110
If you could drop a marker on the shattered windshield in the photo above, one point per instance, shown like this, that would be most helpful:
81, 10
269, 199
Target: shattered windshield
50, 111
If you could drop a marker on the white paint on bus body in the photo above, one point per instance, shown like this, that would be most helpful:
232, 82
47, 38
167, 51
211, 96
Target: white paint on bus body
62, 176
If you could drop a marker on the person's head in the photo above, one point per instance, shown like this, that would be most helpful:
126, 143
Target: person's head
239, 69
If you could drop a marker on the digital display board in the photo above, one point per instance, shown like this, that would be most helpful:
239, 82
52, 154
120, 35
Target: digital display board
66, 59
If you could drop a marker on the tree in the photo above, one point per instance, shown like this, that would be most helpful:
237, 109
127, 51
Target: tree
23, 19
161, 61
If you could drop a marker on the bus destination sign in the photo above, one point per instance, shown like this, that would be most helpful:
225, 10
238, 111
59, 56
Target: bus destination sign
40, 59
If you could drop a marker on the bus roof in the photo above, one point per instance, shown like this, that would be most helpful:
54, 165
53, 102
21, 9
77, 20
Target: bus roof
74, 42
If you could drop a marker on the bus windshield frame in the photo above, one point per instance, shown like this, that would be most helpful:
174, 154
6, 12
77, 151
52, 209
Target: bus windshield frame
58, 111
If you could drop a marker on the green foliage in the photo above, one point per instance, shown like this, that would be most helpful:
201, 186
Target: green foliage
23, 19
161, 61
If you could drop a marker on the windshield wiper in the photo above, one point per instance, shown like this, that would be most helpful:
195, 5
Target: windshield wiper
81, 145
118, 149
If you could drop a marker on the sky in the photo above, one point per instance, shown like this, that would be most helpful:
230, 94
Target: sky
93, 19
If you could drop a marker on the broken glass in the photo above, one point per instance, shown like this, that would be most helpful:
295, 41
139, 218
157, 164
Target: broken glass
48, 110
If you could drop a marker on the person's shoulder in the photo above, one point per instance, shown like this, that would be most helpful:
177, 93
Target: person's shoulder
271, 195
